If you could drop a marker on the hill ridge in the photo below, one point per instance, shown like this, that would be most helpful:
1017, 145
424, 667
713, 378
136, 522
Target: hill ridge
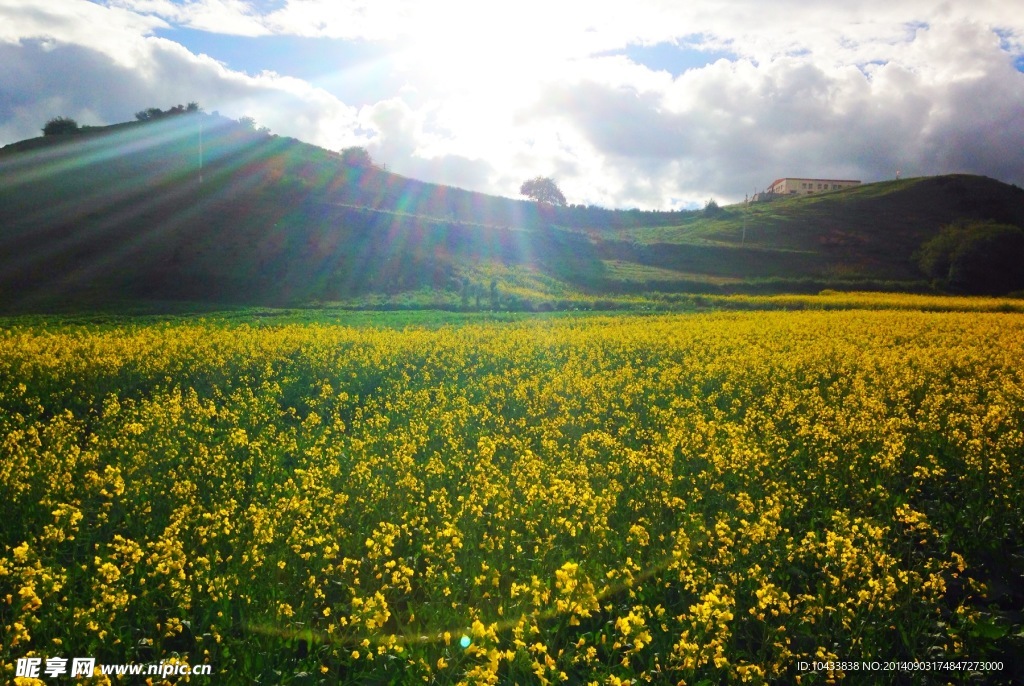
121, 213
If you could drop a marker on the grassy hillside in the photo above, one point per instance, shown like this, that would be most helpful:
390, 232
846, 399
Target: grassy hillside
199, 207
121, 212
869, 231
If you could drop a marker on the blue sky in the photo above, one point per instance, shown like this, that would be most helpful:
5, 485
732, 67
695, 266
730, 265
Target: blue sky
355, 70
672, 57
651, 103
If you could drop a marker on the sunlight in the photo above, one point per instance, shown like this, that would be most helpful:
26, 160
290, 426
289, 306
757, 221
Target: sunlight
479, 47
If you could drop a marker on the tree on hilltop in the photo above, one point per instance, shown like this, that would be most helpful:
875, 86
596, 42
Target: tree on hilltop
713, 209
356, 156
543, 190
154, 113
60, 125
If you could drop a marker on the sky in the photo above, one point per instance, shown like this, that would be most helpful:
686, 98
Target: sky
653, 104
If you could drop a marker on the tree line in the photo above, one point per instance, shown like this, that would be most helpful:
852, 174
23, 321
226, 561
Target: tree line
154, 113
58, 126
978, 257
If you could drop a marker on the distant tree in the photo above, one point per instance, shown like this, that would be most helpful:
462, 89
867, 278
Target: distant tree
935, 255
154, 113
247, 122
356, 156
713, 209
976, 257
59, 125
543, 190
149, 114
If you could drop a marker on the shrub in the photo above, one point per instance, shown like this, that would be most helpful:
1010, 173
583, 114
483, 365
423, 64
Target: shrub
989, 260
712, 209
60, 125
357, 157
544, 190
976, 257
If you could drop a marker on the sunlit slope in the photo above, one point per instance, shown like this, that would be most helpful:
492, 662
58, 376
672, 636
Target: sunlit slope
867, 232
147, 210
199, 207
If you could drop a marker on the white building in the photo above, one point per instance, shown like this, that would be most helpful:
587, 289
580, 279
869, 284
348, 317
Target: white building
792, 186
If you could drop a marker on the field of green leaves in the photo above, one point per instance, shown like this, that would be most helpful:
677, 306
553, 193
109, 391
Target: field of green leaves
701, 499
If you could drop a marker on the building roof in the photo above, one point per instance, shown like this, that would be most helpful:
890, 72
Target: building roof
803, 178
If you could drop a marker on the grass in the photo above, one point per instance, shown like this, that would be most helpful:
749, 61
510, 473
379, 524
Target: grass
119, 214
846, 300
423, 310
618, 270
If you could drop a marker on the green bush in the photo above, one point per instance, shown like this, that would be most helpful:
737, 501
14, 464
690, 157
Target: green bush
713, 210
59, 125
976, 257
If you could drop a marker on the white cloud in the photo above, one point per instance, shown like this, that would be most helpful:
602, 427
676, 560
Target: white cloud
853, 31
111, 31
731, 127
499, 93
218, 16
100, 65
364, 19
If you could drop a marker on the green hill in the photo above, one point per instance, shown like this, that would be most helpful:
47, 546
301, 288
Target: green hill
201, 208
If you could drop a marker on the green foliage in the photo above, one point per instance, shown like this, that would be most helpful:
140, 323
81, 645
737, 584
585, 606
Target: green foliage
357, 156
713, 209
976, 257
989, 260
154, 113
543, 190
934, 256
60, 125
277, 221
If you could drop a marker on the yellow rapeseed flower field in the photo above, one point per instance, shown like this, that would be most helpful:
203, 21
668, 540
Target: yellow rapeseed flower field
710, 498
